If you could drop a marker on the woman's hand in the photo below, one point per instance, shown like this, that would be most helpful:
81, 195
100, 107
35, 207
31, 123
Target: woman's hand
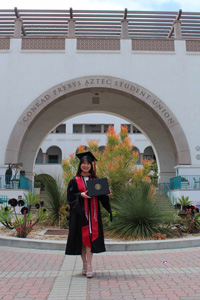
84, 195
110, 194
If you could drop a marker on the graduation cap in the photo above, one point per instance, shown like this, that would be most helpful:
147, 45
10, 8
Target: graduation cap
89, 157
86, 156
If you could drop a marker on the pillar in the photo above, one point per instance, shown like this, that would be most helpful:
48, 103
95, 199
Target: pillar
44, 158
71, 28
177, 29
18, 28
124, 29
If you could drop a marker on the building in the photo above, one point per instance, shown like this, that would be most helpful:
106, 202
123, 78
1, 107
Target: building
65, 139
141, 66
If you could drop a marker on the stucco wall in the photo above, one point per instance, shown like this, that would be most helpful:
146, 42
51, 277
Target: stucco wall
171, 76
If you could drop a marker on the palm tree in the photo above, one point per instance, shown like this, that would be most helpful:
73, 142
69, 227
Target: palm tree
184, 201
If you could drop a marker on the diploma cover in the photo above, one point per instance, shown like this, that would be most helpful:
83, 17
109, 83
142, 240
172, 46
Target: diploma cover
97, 187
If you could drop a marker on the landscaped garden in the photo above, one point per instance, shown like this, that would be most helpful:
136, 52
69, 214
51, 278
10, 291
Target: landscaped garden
138, 212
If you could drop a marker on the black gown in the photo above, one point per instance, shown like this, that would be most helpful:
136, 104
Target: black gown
78, 219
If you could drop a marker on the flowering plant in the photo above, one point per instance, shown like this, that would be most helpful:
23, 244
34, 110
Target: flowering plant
159, 236
192, 221
23, 225
22, 229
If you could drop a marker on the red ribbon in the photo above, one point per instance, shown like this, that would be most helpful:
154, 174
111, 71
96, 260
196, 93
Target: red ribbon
93, 215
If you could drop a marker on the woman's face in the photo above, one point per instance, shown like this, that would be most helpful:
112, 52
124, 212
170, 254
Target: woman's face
85, 166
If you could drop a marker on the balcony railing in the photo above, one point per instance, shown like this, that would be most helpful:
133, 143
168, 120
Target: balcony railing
185, 182
15, 182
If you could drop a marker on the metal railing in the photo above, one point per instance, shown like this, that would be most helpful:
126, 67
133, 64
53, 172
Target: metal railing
15, 182
165, 189
99, 23
185, 182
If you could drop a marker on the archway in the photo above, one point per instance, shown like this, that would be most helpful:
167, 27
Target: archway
135, 149
100, 94
54, 155
149, 154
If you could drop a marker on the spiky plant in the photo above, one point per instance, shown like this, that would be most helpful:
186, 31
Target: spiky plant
136, 213
56, 198
184, 201
31, 199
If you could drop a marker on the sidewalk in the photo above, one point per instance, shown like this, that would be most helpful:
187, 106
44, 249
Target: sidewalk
151, 275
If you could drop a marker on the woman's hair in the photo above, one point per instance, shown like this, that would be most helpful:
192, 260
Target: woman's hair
80, 171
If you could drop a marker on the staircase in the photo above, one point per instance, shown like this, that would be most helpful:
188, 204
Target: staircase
162, 200
43, 197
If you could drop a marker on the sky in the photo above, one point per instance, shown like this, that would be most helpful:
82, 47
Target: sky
158, 5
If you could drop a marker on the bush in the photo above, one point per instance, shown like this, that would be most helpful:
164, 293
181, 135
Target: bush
136, 214
117, 162
56, 198
22, 225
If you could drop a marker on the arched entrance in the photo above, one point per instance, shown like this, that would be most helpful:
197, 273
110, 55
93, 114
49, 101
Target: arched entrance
100, 94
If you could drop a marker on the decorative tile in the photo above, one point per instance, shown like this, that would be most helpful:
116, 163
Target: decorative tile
152, 45
193, 46
4, 43
98, 44
43, 44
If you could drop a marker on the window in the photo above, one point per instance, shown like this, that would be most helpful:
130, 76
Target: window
106, 127
61, 128
128, 126
93, 128
53, 159
77, 128
135, 130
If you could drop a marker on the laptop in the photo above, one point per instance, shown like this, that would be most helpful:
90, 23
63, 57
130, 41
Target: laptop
97, 187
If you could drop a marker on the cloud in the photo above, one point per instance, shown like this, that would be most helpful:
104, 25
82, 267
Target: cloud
185, 5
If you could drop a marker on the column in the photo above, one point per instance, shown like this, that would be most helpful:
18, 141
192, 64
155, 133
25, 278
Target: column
44, 158
177, 29
141, 157
71, 28
102, 128
18, 28
124, 29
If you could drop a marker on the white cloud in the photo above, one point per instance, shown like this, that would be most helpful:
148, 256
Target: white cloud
192, 5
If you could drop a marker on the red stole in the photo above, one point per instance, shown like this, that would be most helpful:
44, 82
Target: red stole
93, 215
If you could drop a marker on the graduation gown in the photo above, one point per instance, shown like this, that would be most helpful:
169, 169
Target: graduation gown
78, 218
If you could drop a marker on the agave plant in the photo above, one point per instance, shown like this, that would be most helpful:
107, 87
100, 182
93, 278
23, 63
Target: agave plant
136, 214
56, 198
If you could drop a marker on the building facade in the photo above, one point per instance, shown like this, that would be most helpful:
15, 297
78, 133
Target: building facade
62, 64
64, 140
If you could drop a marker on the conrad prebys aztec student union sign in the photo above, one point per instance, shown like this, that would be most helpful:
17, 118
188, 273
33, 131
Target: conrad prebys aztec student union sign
99, 82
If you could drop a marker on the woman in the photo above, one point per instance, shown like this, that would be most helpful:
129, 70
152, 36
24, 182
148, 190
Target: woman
85, 225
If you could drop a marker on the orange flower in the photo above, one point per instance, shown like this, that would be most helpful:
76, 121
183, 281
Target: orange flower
81, 149
124, 130
71, 155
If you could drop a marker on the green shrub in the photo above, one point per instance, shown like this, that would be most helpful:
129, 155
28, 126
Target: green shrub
183, 201
137, 215
56, 198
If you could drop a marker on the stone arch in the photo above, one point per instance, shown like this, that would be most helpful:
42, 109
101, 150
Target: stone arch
149, 153
100, 94
39, 157
54, 155
135, 149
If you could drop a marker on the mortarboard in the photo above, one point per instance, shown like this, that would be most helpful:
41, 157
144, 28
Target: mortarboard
86, 155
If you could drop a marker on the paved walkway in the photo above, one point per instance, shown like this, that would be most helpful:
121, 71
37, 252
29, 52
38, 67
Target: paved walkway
150, 275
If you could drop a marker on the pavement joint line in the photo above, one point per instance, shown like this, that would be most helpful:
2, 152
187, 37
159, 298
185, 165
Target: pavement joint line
69, 282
